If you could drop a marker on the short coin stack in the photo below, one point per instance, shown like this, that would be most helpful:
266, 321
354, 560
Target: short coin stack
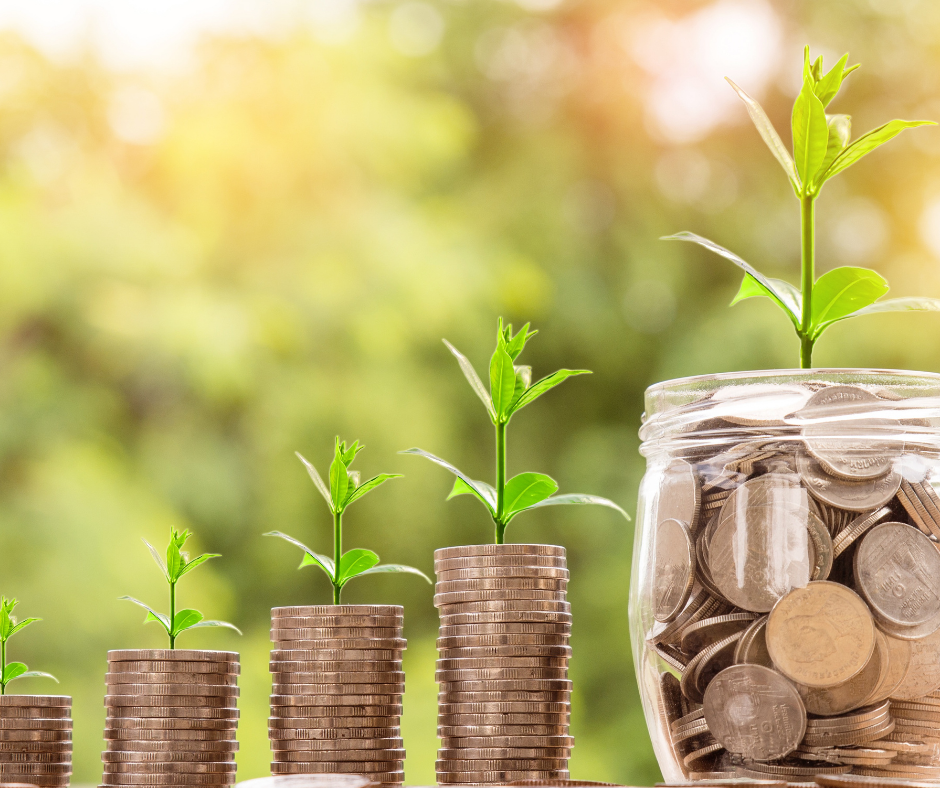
36, 740
504, 702
172, 718
338, 685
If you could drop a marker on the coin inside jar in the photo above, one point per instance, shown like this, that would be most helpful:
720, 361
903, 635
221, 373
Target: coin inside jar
675, 569
679, 494
755, 712
821, 635
897, 569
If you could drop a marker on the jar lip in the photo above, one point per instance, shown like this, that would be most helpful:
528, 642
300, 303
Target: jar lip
691, 410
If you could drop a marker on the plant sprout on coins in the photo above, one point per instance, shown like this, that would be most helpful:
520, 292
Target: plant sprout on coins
9, 626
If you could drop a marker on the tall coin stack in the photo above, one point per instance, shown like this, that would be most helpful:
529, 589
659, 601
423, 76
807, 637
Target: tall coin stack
338, 685
171, 718
504, 702
36, 740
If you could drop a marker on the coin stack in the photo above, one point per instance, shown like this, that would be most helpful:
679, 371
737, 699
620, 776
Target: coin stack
36, 740
504, 702
338, 685
171, 718
795, 589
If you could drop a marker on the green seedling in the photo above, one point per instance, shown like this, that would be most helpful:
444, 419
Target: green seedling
344, 490
177, 564
9, 626
511, 389
822, 148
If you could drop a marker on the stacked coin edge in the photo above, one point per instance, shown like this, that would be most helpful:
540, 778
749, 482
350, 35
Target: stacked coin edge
36, 740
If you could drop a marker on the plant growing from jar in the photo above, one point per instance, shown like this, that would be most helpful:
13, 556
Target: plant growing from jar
344, 490
176, 565
511, 390
9, 626
822, 148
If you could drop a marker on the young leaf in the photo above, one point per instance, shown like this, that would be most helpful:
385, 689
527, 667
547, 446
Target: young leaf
369, 486
525, 490
185, 619
751, 288
783, 298
515, 345
867, 143
310, 557
548, 382
17, 626
911, 304
158, 558
339, 481
843, 291
152, 615
225, 624
13, 670
174, 557
478, 491
577, 499
350, 454
827, 87
395, 569
317, 480
190, 565
355, 562
473, 379
810, 133
769, 135
37, 674
6, 619
840, 132
481, 490
502, 381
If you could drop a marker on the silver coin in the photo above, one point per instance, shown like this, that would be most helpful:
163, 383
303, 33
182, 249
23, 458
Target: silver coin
473, 563
182, 701
503, 595
168, 756
166, 734
675, 568
305, 701
855, 496
319, 633
506, 617
457, 731
345, 677
191, 746
447, 695
896, 570
327, 622
679, 494
297, 734
163, 666
334, 722
300, 712
324, 611
335, 655
339, 756
501, 753
504, 718
36, 724
501, 584
171, 655
35, 700
176, 723
338, 745
464, 551
501, 662
174, 677
521, 628
488, 652
284, 668
506, 605
195, 712
34, 712
491, 572
332, 644
507, 741
200, 690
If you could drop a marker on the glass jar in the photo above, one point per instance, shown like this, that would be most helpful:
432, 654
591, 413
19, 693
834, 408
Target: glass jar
785, 596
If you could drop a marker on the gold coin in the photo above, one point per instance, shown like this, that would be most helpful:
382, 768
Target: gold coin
340, 767
39, 735
335, 655
35, 746
500, 550
59, 756
325, 611
923, 674
851, 694
512, 584
109, 780
178, 668
34, 769
820, 635
489, 572
170, 767
171, 655
337, 745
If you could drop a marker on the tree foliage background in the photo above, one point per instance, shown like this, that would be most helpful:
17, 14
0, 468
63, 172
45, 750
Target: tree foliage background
205, 269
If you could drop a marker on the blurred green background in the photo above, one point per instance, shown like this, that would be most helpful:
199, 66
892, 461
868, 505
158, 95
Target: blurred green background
231, 230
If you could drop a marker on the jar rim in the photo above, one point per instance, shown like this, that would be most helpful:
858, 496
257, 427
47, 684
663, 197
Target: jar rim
682, 408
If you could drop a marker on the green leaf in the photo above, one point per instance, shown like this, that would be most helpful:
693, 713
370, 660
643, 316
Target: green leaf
209, 623
810, 133
867, 143
548, 382
782, 297
317, 480
502, 381
190, 565
185, 619
840, 133
13, 670
827, 87
843, 291
350, 454
157, 557
579, 499
152, 615
396, 569
355, 562
911, 304
6, 618
310, 557
769, 135
525, 490
368, 486
18, 625
478, 491
473, 379
36, 674
339, 480
174, 556
751, 288
515, 345
481, 490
